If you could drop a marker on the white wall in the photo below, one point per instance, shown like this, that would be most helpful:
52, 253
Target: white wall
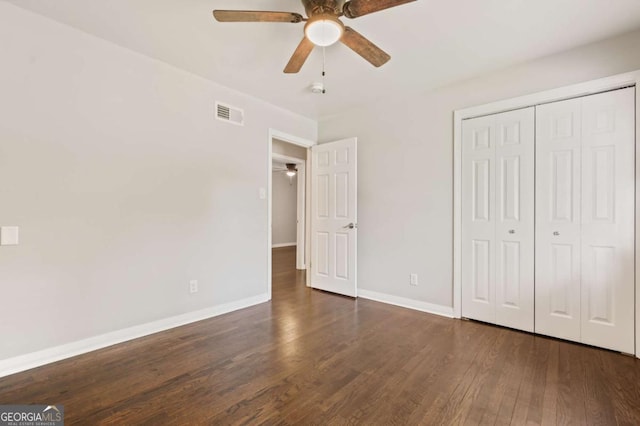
405, 165
288, 149
124, 186
284, 208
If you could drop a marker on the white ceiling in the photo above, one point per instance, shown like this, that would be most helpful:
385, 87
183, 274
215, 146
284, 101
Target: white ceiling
431, 42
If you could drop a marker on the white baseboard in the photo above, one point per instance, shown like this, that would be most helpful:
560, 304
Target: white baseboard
46, 356
283, 245
445, 311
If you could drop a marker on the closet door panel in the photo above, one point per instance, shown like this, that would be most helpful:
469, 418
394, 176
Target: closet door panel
478, 219
608, 200
557, 234
515, 218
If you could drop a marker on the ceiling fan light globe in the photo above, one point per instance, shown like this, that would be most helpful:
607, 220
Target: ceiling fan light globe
324, 32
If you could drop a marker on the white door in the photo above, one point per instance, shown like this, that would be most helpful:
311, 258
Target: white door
478, 223
585, 220
558, 178
608, 158
515, 218
334, 217
497, 218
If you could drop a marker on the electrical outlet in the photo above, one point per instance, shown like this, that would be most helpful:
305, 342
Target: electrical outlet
413, 279
193, 286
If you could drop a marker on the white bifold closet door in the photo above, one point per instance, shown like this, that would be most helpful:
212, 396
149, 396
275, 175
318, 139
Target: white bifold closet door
498, 219
584, 238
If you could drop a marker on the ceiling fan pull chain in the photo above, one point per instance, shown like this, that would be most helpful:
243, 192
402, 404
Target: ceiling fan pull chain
323, 62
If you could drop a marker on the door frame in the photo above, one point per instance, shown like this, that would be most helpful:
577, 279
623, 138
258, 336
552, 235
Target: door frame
305, 143
618, 81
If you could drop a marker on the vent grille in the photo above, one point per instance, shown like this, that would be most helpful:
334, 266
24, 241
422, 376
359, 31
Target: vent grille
229, 114
223, 112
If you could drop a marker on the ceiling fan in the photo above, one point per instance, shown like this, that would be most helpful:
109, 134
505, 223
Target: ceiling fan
323, 26
289, 168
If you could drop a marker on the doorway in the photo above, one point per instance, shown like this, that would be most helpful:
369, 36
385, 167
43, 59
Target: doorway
288, 202
288, 149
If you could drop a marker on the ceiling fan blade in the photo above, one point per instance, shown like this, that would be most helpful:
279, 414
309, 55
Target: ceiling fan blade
256, 16
299, 56
356, 8
363, 47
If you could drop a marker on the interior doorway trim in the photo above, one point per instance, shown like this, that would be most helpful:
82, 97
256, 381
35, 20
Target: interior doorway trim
305, 143
577, 90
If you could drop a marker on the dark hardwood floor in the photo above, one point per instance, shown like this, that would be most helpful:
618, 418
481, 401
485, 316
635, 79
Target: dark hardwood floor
310, 357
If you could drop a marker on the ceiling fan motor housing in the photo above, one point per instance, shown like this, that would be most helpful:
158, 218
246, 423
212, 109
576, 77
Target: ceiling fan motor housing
321, 7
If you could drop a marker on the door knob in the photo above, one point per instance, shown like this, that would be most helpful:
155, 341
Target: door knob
556, 233
511, 231
351, 226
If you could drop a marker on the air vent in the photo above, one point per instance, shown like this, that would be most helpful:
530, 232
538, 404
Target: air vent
229, 114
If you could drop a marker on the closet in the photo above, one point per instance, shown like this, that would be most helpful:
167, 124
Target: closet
548, 198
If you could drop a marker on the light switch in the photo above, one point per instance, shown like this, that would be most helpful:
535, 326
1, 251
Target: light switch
9, 236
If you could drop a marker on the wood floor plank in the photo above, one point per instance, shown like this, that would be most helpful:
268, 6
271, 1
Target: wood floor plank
310, 357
